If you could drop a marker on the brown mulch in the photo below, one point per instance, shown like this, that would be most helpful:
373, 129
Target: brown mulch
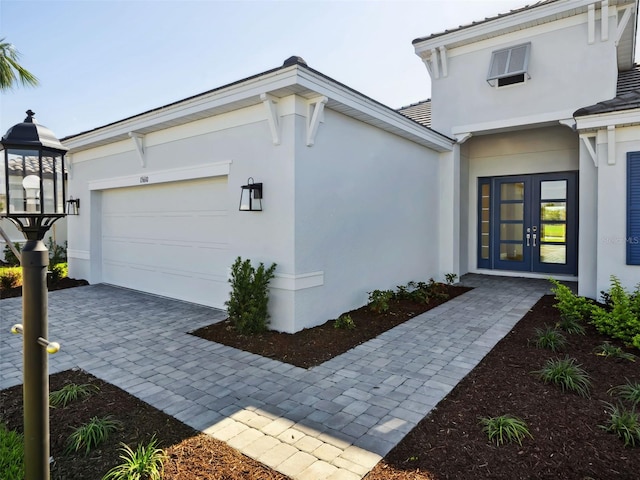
313, 346
61, 284
447, 444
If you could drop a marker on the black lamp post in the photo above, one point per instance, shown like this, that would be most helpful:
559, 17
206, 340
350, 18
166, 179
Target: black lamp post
32, 196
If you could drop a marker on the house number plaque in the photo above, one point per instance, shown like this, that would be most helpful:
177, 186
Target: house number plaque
144, 179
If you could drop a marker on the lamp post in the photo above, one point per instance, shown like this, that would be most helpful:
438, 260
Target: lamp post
32, 196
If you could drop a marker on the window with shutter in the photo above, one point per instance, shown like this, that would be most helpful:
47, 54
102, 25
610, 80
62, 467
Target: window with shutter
633, 208
509, 65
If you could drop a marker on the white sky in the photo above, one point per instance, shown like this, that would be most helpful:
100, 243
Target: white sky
102, 61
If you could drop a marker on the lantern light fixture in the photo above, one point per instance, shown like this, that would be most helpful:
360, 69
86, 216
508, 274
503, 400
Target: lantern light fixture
251, 196
73, 206
32, 196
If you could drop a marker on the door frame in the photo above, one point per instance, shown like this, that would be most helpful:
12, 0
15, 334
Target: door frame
488, 224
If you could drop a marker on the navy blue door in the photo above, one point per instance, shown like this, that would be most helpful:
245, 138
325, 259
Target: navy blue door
534, 223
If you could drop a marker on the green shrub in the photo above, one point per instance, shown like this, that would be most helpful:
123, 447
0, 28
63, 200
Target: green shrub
550, 338
569, 304
567, 374
609, 351
629, 392
58, 272
11, 454
70, 393
505, 428
624, 423
379, 300
450, 278
345, 322
10, 277
623, 319
91, 434
145, 463
248, 302
57, 253
9, 256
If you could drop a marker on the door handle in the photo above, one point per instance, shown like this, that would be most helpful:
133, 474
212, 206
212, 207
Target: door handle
534, 239
528, 237
535, 235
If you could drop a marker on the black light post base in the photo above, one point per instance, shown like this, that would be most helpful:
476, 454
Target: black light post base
35, 260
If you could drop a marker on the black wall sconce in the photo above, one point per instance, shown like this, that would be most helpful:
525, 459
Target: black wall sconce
73, 206
251, 197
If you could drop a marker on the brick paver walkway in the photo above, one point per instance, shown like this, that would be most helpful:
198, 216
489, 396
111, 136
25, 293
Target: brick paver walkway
334, 421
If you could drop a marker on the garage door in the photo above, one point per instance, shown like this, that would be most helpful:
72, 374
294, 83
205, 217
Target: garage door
168, 239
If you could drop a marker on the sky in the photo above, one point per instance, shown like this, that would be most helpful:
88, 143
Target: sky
101, 61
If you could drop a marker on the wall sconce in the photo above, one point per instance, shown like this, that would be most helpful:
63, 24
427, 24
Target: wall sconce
73, 206
251, 197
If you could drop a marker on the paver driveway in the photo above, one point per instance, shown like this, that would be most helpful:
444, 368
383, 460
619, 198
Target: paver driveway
332, 421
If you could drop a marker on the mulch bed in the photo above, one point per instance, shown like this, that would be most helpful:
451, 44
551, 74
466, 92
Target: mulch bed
313, 346
61, 284
567, 443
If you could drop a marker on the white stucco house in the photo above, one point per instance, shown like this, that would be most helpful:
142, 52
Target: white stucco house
526, 161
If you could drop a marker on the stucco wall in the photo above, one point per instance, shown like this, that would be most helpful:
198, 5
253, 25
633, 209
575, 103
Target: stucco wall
566, 73
611, 216
356, 211
551, 149
366, 214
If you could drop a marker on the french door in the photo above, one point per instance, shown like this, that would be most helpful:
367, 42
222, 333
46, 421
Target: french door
528, 223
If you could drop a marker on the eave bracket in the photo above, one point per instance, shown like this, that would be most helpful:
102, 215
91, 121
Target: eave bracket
138, 140
315, 109
271, 107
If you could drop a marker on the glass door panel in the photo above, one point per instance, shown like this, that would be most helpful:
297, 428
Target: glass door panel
509, 251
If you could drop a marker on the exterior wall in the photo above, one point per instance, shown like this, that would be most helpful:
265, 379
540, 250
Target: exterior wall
355, 212
241, 140
366, 215
611, 230
542, 150
560, 58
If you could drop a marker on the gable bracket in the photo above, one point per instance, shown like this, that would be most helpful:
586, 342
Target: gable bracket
271, 107
611, 145
315, 109
589, 141
623, 23
138, 140
604, 20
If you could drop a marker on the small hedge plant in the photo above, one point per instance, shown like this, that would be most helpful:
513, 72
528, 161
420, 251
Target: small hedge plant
249, 298
570, 305
622, 319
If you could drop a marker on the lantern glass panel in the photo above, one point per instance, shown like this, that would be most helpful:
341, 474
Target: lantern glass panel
59, 175
52, 200
21, 164
3, 190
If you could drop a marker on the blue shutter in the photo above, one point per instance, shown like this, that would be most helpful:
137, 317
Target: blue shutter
633, 208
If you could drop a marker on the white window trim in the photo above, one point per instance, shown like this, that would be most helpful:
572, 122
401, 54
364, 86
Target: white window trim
507, 73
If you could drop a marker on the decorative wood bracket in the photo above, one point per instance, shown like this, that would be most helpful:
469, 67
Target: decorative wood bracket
315, 109
443, 60
591, 21
604, 20
138, 140
463, 137
270, 105
611, 145
623, 23
68, 163
589, 141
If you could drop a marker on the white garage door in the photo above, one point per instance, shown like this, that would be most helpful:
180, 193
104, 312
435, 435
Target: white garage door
168, 239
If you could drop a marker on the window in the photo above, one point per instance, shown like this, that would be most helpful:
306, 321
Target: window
509, 65
633, 208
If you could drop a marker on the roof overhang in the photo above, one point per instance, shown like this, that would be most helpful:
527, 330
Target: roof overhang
296, 79
526, 17
624, 118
